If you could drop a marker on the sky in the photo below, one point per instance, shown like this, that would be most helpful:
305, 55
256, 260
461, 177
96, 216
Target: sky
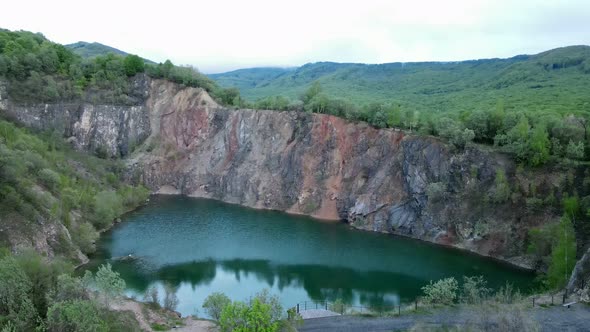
221, 35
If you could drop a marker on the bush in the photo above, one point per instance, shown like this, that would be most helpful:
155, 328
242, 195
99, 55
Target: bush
49, 179
15, 304
436, 191
107, 206
240, 317
443, 291
67, 288
474, 290
214, 304
501, 191
85, 236
74, 316
108, 282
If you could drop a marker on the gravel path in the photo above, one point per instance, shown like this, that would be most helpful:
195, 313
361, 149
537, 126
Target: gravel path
556, 318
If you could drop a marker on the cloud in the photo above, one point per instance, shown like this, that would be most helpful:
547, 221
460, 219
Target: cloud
221, 35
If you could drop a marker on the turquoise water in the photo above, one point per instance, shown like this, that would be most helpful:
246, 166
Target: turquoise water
203, 246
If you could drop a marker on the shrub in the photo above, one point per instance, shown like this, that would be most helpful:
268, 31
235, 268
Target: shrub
338, 306
501, 191
107, 206
474, 290
240, 317
85, 236
75, 315
49, 179
109, 283
443, 291
214, 304
436, 191
15, 287
67, 288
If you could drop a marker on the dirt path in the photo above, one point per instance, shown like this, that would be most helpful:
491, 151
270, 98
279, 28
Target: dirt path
195, 325
139, 310
127, 305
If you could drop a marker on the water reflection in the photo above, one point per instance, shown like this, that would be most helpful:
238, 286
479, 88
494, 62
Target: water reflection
371, 288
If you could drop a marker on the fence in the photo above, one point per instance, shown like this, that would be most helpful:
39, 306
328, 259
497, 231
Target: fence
348, 309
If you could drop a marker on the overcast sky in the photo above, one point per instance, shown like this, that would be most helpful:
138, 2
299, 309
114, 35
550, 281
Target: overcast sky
221, 35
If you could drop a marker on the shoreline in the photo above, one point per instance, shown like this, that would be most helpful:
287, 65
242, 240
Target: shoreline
464, 250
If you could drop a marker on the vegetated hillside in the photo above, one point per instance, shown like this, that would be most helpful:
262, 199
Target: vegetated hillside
248, 79
38, 70
556, 80
91, 50
54, 199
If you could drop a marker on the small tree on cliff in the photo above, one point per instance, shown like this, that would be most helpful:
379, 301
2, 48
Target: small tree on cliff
563, 254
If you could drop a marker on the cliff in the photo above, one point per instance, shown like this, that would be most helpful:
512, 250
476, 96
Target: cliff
178, 140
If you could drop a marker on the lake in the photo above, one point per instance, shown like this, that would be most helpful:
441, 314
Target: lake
201, 246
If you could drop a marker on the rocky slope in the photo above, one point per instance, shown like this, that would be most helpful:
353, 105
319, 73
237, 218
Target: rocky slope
177, 140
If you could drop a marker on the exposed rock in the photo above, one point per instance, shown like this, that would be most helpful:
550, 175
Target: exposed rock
579, 282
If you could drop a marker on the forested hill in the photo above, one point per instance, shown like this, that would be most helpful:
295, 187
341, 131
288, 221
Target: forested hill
556, 80
91, 50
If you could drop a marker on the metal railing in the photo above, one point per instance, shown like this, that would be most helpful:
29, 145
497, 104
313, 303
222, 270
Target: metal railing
349, 309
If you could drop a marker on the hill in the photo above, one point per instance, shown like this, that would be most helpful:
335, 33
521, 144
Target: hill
556, 80
250, 78
91, 50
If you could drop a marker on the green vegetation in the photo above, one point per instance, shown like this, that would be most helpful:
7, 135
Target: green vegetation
42, 178
554, 245
41, 295
563, 254
262, 313
39, 70
215, 303
91, 50
443, 291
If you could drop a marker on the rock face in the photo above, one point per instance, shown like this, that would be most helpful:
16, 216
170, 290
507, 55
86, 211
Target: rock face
107, 129
579, 282
179, 141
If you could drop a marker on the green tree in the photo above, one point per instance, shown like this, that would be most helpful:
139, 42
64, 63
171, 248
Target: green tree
563, 254
109, 283
214, 304
15, 289
240, 317
133, 64
575, 151
538, 147
501, 191
314, 90
107, 206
